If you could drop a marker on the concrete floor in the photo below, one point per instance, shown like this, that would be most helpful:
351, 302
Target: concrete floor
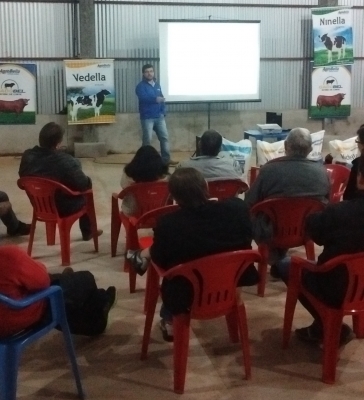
110, 364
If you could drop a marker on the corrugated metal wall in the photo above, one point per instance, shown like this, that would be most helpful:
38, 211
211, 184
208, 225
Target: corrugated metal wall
129, 33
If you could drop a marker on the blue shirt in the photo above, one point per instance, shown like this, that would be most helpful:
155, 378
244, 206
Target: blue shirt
147, 95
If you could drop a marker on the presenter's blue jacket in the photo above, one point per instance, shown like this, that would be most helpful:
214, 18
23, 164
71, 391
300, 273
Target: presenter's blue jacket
147, 95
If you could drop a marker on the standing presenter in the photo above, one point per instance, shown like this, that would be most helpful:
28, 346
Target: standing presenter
152, 112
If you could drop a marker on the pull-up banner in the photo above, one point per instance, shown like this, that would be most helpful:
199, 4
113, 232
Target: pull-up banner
332, 36
90, 91
18, 93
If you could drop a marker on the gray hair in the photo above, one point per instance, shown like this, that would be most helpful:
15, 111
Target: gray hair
298, 143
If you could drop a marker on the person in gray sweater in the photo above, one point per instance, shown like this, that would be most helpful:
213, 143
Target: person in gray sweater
292, 175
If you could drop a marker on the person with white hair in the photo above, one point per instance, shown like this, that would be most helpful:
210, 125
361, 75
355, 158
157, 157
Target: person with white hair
292, 175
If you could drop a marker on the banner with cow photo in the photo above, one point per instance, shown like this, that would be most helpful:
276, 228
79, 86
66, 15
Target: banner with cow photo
330, 92
18, 93
332, 36
90, 91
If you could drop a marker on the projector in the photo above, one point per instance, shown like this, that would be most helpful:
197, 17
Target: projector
269, 128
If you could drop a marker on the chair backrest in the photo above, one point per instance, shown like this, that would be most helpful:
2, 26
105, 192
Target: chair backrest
147, 195
150, 218
41, 193
214, 279
338, 176
288, 216
354, 298
226, 188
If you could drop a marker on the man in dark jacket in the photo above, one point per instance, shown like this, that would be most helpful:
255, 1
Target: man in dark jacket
339, 229
152, 112
199, 228
47, 161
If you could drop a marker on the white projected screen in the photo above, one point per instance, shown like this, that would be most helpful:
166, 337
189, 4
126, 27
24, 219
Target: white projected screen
209, 61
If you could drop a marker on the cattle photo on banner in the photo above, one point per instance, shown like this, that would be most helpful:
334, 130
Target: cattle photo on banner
18, 93
90, 91
331, 92
332, 36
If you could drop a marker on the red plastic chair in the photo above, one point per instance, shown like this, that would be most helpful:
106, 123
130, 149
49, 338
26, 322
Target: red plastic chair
288, 216
226, 188
41, 193
339, 177
148, 196
214, 279
149, 220
330, 317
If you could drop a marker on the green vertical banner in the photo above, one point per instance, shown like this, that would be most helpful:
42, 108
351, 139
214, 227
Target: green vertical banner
330, 92
332, 36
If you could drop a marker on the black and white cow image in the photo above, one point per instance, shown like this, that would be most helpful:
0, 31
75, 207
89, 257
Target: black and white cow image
330, 81
334, 44
9, 85
94, 101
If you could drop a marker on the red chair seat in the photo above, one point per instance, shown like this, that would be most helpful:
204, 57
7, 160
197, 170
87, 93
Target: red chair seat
339, 177
226, 188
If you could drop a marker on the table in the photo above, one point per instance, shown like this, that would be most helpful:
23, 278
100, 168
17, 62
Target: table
258, 135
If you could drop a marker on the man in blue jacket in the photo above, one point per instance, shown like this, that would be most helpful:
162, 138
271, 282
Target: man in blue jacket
152, 111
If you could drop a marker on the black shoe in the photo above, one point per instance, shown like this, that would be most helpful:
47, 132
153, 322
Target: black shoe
113, 296
88, 236
274, 273
166, 328
22, 230
139, 264
309, 334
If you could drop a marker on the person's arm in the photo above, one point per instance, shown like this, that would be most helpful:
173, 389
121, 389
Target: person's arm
319, 225
162, 250
255, 194
73, 176
145, 95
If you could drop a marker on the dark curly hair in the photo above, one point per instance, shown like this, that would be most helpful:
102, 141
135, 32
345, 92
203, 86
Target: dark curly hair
146, 165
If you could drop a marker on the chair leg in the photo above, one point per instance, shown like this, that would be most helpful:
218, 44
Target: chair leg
115, 232
332, 329
31, 235
51, 233
152, 302
132, 280
262, 269
358, 325
9, 364
181, 334
233, 327
72, 356
310, 250
244, 338
65, 239
291, 301
148, 289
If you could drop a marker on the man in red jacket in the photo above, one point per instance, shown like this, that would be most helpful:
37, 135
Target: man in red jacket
87, 307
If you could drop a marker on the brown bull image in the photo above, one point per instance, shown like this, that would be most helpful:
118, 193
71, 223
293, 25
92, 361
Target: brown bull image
15, 106
330, 101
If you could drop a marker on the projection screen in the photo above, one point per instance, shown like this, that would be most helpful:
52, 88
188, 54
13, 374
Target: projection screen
207, 61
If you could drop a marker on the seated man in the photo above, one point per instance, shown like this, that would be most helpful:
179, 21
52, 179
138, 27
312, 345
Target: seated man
290, 176
47, 161
87, 307
9, 219
212, 166
199, 228
339, 229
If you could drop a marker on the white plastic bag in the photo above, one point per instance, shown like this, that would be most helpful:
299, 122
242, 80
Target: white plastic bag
317, 142
344, 151
239, 151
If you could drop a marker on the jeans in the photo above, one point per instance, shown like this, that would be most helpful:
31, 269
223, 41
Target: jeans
160, 128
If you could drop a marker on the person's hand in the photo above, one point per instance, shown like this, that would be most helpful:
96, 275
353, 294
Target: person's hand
160, 99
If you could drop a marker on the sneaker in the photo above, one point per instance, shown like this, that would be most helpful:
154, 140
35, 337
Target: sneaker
166, 328
139, 264
113, 296
88, 236
22, 230
172, 162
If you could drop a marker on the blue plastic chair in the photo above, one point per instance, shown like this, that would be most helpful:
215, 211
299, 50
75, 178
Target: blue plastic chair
11, 347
